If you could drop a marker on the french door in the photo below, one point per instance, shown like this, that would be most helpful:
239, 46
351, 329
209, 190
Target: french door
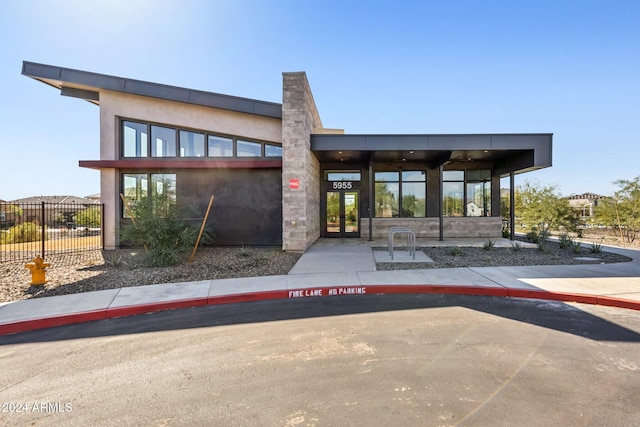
343, 213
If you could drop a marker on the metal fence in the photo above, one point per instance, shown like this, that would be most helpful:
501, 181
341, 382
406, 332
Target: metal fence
31, 229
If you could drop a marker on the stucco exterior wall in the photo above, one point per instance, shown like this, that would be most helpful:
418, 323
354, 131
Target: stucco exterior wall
115, 105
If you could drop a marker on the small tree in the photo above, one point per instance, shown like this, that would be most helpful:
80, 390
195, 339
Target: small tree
622, 211
162, 228
537, 205
89, 217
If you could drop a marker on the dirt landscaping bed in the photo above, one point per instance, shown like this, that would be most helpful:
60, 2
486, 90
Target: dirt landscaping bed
97, 270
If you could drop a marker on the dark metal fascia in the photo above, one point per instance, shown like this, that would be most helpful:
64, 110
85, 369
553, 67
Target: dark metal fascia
43, 72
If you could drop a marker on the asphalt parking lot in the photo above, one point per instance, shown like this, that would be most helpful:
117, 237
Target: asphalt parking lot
424, 360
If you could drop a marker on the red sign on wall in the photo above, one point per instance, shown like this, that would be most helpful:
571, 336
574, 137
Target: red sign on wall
294, 184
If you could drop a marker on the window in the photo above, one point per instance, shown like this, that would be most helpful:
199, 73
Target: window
479, 192
400, 194
453, 193
144, 140
163, 142
272, 150
248, 149
134, 139
191, 144
220, 147
342, 176
467, 198
136, 187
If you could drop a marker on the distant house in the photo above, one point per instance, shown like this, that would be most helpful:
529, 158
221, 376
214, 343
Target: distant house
57, 209
584, 203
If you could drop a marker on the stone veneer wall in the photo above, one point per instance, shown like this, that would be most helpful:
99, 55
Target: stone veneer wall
489, 227
301, 206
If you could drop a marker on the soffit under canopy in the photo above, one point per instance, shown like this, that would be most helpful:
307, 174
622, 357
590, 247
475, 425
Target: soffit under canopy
508, 152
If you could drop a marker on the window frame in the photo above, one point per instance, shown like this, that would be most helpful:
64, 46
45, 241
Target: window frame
396, 178
149, 149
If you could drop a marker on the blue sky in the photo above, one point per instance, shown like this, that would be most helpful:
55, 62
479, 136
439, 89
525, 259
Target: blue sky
571, 68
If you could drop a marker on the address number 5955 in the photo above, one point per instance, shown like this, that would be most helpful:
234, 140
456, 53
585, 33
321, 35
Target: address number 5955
342, 185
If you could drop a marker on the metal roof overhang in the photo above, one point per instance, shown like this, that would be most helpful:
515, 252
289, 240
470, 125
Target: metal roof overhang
516, 153
87, 85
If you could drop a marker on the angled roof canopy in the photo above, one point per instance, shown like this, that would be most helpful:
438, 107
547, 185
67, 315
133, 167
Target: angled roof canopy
87, 85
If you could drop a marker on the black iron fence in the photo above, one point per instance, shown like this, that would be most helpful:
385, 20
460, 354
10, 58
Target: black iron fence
31, 229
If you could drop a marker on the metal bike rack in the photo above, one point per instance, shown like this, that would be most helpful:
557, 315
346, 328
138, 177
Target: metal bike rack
411, 240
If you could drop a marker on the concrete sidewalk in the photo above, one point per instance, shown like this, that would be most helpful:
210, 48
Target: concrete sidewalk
338, 270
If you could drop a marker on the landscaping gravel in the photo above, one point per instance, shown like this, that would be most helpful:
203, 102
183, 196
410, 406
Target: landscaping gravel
96, 270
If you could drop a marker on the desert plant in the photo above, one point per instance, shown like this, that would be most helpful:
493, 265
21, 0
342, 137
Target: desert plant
576, 247
455, 251
488, 245
532, 236
545, 247
596, 248
516, 246
164, 231
564, 240
245, 250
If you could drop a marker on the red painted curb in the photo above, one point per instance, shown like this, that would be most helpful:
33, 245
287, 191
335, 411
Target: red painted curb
619, 302
107, 313
50, 322
153, 307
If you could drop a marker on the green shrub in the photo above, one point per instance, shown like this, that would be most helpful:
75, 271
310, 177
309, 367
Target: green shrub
576, 247
163, 230
455, 251
596, 248
532, 236
488, 245
21, 233
565, 240
516, 246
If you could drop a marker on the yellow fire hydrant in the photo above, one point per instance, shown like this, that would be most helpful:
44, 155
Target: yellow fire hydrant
37, 267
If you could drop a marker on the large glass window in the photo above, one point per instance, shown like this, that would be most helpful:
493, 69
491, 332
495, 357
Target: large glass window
134, 139
248, 149
220, 146
191, 144
144, 140
163, 142
400, 194
453, 193
470, 197
137, 186
272, 150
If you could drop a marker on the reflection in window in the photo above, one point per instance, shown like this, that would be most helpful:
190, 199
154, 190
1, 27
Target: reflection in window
272, 150
137, 186
163, 142
220, 147
332, 176
453, 198
191, 144
134, 139
248, 149
467, 198
134, 189
163, 191
400, 194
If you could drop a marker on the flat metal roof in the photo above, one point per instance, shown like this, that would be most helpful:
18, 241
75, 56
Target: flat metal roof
511, 152
87, 85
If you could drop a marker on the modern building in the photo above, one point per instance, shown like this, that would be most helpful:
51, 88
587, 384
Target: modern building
278, 176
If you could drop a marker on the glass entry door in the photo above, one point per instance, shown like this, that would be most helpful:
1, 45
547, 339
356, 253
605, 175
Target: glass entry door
343, 214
